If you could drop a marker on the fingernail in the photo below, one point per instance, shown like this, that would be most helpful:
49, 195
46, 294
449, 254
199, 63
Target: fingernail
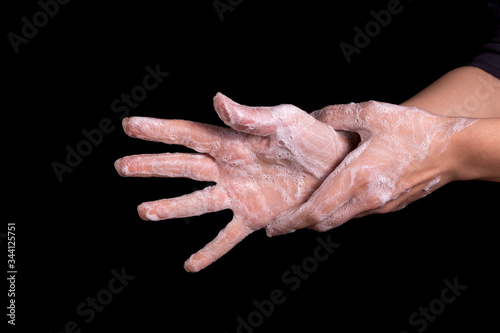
117, 166
190, 267
221, 106
147, 213
187, 268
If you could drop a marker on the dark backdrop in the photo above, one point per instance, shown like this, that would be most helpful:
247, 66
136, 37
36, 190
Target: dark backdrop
76, 232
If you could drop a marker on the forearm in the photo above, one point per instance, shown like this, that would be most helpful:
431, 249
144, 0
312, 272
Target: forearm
477, 151
466, 91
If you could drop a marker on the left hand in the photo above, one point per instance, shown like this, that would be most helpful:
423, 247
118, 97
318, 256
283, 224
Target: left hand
271, 160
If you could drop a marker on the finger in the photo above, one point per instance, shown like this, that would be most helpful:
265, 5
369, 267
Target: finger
358, 117
227, 238
201, 137
252, 120
348, 210
308, 216
336, 201
313, 212
342, 117
353, 117
210, 199
195, 166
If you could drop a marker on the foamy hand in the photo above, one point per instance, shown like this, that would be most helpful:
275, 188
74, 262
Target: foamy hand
270, 160
404, 154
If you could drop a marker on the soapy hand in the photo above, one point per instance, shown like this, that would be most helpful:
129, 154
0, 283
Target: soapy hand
270, 160
405, 153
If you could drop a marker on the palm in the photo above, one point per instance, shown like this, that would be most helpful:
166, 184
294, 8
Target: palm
271, 160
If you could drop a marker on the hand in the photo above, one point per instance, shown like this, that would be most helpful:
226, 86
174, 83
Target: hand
405, 153
271, 160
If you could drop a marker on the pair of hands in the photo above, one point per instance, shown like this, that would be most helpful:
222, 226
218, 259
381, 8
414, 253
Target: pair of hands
282, 169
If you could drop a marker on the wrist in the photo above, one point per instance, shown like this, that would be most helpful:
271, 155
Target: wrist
450, 156
477, 151
459, 157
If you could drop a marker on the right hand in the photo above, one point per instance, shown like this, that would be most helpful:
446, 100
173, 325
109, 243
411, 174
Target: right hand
405, 153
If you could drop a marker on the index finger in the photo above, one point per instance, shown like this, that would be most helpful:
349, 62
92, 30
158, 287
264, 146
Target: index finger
338, 199
203, 138
326, 209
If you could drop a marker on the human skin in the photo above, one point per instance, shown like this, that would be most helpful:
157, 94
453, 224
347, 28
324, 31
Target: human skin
469, 92
405, 153
271, 159
465, 91
460, 140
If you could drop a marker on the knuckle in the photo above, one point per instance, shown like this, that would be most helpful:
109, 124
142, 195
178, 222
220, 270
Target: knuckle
393, 206
371, 104
272, 231
383, 209
287, 113
315, 216
321, 227
287, 108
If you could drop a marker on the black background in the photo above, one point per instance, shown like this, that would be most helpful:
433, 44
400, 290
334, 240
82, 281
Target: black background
71, 234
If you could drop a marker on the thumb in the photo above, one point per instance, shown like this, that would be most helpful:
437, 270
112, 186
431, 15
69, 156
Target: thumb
252, 120
232, 234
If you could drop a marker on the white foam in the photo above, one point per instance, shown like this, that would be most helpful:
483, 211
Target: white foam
430, 186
